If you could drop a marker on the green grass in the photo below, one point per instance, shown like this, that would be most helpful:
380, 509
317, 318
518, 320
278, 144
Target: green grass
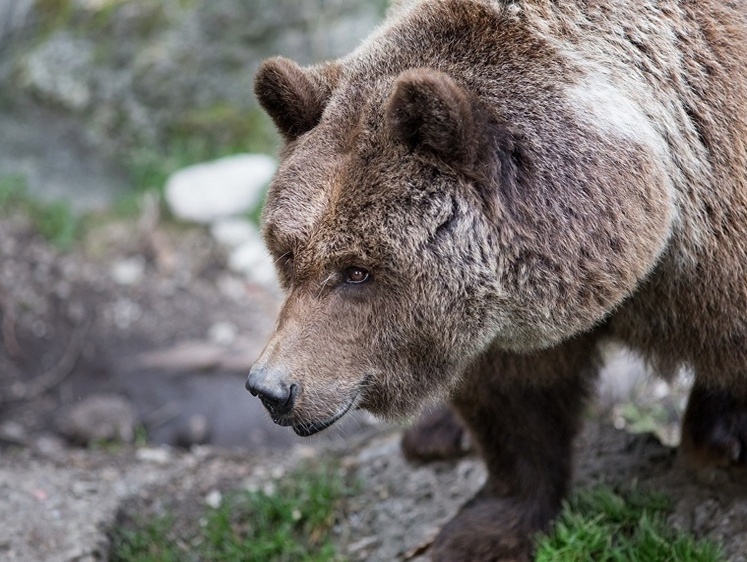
605, 526
289, 523
56, 221
149, 542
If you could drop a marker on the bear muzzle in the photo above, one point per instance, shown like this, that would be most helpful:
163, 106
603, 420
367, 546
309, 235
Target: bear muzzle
277, 394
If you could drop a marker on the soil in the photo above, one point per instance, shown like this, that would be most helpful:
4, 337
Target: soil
144, 314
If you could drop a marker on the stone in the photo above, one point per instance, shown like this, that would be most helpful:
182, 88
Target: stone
222, 188
233, 232
253, 260
100, 417
59, 71
128, 271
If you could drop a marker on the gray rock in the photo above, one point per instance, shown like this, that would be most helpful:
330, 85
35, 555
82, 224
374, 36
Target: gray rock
100, 417
58, 158
59, 71
15, 16
60, 508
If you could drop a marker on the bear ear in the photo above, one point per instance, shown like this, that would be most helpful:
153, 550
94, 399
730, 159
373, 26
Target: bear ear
428, 111
292, 96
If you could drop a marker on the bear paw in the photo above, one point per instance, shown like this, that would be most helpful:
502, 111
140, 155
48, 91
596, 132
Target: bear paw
438, 435
714, 431
492, 530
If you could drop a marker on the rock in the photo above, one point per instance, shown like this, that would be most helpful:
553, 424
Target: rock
156, 455
128, 271
252, 259
59, 71
57, 158
223, 333
247, 253
214, 499
14, 17
233, 232
100, 417
222, 188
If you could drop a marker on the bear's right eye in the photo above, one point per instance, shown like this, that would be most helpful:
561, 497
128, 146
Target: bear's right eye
356, 275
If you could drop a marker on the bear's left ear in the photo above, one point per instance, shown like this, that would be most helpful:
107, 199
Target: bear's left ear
294, 97
428, 111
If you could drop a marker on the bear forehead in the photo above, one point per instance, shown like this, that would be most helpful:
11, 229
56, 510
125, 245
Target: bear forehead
339, 201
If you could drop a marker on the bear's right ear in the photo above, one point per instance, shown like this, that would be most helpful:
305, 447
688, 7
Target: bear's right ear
428, 111
292, 96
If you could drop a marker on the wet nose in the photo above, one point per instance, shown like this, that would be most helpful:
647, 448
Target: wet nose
272, 388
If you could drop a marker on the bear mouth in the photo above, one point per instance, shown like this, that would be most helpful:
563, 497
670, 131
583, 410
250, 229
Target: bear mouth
306, 429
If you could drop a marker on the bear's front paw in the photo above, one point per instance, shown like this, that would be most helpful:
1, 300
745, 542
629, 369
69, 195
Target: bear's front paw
714, 431
491, 530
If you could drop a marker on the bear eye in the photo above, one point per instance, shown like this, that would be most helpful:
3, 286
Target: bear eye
356, 275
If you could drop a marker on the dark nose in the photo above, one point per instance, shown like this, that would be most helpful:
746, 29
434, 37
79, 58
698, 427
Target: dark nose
272, 388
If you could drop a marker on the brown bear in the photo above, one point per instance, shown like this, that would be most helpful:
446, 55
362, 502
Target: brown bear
481, 193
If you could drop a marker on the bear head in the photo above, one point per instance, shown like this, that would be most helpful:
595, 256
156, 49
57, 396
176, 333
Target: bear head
442, 191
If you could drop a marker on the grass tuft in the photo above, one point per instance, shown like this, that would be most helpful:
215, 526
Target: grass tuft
607, 526
56, 221
289, 522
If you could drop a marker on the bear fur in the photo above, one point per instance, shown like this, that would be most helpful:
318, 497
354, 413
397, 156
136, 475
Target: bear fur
478, 196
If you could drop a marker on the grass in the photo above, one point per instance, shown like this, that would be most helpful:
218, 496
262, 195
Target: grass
56, 221
290, 522
606, 526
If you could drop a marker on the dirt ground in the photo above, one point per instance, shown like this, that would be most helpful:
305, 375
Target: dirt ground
141, 334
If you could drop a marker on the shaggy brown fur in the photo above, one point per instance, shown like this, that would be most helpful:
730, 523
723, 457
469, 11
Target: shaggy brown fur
470, 201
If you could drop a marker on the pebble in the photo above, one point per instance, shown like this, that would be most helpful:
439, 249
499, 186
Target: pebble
128, 271
214, 499
154, 455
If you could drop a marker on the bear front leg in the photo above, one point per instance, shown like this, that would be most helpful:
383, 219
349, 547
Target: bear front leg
523, 412
714, 428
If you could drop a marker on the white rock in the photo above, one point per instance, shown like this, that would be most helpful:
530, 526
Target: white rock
128, 271
155, 455
223, 333
252, 260
233, 232
214, 499
222, 188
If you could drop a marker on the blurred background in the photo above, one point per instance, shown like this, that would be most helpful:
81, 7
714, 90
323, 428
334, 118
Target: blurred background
134, 289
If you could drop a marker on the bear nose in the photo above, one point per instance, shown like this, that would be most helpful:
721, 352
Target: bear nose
272, 389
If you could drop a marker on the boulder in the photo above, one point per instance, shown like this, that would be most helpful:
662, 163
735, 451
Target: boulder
226, 187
